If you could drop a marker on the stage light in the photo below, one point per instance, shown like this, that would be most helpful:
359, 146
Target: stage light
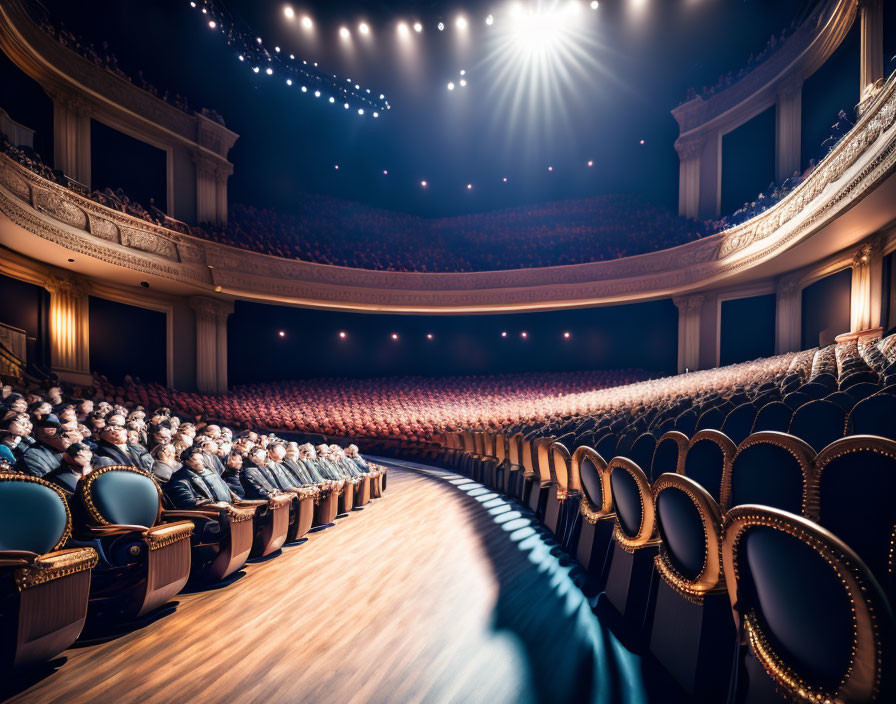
524, 334
394, 335
490, 20
241, 57
282, 333
342, 334
424, 184
277, 49
344, 33
363, 28
376, 114
336, 166
503, 334
304, 89
385, 172
192, 4
418, 27
402, 29
594, 4
289, 81
211, 24
292, 56
255, 69
317, 94
306, 24
463, 82
204, 11
450, 85
642, 141
360, 111
429, 336
469, 186
258, 40
269, 71
441, 26
332, 99
461, 23
345, 105
550, 168
289, 12
566, 335
505, 179
463, 72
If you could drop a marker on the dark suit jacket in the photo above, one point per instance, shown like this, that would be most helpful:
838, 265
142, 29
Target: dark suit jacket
188, 489
284, 479
65, 478
233, 479
214, 463
257, 483
298, 470
161, 471
107, 454
40, 460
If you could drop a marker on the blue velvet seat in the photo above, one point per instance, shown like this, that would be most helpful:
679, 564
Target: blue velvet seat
875, 415
818, 422
147, 561
43, 601
739, 422
590, 543
773, 469
707, 461
668, 456
773, 416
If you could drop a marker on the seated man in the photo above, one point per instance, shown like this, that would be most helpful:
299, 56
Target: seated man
285, 480
195, 485
75, 465
233, 473
113, 449
257, 480
46, 454
13, 431
165, 462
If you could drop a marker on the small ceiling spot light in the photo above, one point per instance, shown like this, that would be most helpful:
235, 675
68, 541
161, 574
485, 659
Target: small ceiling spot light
336, 166
402, 29
385, 172
418, 27
423, 184
594, 4
360, 111
269, 71
504, 334
255, 69
469, 186
345, 105
306, 23
566, 335
590, 163
524, 334
211, 24
364, 28
505, 179
344, 33
463, 82
289, 81
342, 334
550, 168
642, 141
441, 26
461, 22
429, 336
282, 333
490, 20
450, 85
394, 335
376, 114
289, 12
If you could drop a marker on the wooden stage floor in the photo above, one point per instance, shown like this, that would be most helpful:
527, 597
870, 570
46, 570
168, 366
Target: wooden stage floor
438, 592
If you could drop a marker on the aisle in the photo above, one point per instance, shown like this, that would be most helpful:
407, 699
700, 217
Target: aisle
438, 592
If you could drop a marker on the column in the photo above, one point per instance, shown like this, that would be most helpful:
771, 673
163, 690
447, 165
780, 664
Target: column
788, 130
71, 137
711, 177
206, 189
689, 177
69, 327
867, 270
689, 308
211, 343
871, 68
788, 316
221, 177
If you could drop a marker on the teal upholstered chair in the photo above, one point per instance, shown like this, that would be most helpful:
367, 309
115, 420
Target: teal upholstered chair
43, 600
146, 561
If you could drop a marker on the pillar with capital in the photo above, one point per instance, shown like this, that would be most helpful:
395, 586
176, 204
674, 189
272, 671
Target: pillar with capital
788, 315
71, 136
211, 342
69, 326
788, 130
689, 310
867, 271
871, 67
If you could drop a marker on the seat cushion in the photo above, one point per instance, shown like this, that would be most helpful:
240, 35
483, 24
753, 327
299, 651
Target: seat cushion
123, 496
33, 517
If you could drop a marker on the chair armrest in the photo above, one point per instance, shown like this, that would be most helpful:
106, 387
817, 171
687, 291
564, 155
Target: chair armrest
250, 503
169, 515
115, 529
17, 558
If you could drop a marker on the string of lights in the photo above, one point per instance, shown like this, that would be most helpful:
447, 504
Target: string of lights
395, 337
296, 73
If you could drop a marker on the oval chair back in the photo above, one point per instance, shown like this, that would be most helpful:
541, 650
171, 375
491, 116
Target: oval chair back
708, 461
34, 515
796, 399
559, 465
810, 610
819, 423
686, 422
739, 422
815, 390
642, 449
712, 418
606, 445
121, 494
469, 442
514, 443
668, 456
633, 504
541, 449
773, 469
500, 447
773, 416
842, 399
690, 525
875, 415
866, 376
854, 490
588, 473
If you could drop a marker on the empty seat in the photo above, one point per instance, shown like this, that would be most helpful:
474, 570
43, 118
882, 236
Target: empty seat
818, 422
642, 449
43, 600
707, 461
147, 561
876, 415
773, 469
686, 422
796, 399
668, 457
588, 473
773, 416
739, 422
842, 399
711, 418
814, 618
862, 390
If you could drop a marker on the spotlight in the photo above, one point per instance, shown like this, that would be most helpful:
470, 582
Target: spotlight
418, 27
317, 94
211, 24
550, 168
594, 4
463, 82
289, 12
463, 72
282, 333
424, 184
376, 114
307, 23
469, 186
241, 57
490, 20
363, 28
192, 3
289, 81
345, 105
342, 334
385, 172
642, 141
451, 85
394, 335
402, 29
524, 334
429, 336
441, 26
360, 111
590, 163
505, 179
269, 71
461, 22
504, 334
336, 166
344, 33
277, 49
255, 69
258, 40
304, 89
566, 335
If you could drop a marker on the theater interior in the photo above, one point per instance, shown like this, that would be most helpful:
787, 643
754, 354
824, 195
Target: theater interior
485, 351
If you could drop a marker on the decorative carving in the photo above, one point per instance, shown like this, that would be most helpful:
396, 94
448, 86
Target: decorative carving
104, 229
60, 208
17, 185
63, 283
148, 242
